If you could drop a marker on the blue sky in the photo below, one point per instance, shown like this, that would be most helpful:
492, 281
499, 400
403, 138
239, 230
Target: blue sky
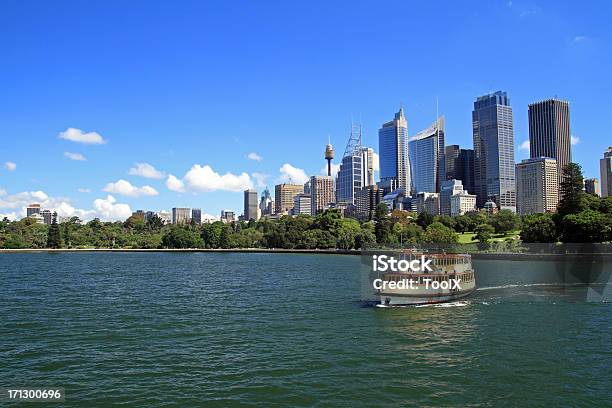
184, 84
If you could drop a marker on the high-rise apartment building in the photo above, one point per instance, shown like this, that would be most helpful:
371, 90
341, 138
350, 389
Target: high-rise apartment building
393, 151
250, 205
605, 170
493, 132
32, 209
284, 195
426, 153
47, 216
321, 193
549, 132
459, 164
537, 188
181, 215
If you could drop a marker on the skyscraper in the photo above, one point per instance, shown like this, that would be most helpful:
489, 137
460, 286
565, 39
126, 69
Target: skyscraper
549, 132
493, 132
426, 153
393, 151
366, 201
284, 195
321, 193
356, 169
181, 215
265, 204
250, 205
196, 215
605, 169
537, 189
459, 164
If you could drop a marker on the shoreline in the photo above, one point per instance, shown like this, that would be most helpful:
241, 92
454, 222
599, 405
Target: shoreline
480, 256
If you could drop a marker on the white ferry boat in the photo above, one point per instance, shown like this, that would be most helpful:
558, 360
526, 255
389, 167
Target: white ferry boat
451, 278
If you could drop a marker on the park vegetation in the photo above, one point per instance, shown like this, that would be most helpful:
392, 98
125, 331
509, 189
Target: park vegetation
580, 218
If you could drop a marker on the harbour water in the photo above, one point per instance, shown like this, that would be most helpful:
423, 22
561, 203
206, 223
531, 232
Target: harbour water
231, 329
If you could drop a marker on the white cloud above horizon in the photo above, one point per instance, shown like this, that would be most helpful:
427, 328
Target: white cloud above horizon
84, 190
260, 179
202, 178
75, 156
107, 209
524, 146
10, 166
254, 156
291, 174
574, 140
146, 170
78, 136
124, 187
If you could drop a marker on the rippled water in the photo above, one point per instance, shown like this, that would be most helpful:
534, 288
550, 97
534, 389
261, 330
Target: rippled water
195, 329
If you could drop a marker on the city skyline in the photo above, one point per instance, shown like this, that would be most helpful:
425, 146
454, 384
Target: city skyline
109, 118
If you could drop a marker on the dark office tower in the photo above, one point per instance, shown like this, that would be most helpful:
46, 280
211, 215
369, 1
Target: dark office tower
493, 130
460, 166
549, 132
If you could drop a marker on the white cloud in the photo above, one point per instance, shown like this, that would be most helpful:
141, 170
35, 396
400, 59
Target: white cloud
524, 146
290, 174
204, 178
84, 190
77, 135
75, 156
579, 39
334, 169
10, 166
376, 161
574, 140
175, 184
260, 179
125, 188
2, 192
254, 156
108, 209
146, 170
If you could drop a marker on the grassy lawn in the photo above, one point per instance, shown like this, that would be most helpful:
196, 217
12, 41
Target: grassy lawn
467, 237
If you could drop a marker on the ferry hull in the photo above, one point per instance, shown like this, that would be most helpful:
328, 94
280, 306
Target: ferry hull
421, 299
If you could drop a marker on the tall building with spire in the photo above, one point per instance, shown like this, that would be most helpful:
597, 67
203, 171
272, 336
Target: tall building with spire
393, 151
549, 132
356, 169
426, 153
494, 167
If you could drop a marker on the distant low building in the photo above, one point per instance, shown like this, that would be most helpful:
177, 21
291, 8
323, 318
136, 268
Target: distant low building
228, 216
462, 203
302, 204
428, 202
591, 186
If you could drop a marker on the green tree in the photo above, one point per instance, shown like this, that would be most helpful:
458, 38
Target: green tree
484, 234
438, 233
504, 221
179, 237
424, 219
570, 190
586, 226
539, 228
54, 238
